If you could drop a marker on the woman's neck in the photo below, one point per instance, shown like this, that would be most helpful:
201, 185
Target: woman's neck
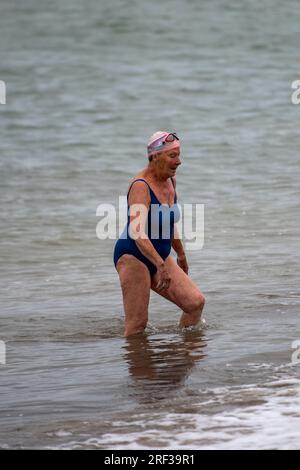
156, 174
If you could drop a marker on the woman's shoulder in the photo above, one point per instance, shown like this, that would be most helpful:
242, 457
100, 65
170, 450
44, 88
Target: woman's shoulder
139, 176
139, 182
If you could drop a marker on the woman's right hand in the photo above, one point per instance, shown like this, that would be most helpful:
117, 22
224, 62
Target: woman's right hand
163, 276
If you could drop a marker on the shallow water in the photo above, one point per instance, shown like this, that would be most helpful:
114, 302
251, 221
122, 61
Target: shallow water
87, 83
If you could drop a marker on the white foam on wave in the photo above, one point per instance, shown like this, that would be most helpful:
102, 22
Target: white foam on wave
254, 417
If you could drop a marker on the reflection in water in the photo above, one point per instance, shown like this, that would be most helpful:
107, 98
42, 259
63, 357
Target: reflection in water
161, 363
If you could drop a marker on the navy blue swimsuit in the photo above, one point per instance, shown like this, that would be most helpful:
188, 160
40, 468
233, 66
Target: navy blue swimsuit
159, 229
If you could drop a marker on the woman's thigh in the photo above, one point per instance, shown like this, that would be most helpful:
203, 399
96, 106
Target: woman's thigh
182, 290
135, 283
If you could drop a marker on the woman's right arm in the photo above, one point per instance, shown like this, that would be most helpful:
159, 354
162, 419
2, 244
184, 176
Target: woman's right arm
139, 202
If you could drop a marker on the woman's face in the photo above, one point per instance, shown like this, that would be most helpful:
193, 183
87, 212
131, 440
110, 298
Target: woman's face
167, 162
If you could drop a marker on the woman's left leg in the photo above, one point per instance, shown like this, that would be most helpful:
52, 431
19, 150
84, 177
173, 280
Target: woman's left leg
182, 292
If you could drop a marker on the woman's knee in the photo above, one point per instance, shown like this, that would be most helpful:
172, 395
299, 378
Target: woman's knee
196, 303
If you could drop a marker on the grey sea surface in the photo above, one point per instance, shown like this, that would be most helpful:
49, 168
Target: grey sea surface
87, 83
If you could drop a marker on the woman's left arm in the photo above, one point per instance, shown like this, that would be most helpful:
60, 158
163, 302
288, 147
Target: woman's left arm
177, 244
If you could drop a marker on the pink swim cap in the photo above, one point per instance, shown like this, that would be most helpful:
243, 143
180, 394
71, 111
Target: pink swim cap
161, 141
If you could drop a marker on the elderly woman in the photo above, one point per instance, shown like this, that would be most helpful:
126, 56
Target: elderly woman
142, 254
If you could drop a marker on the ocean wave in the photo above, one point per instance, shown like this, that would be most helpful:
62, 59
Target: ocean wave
254, 417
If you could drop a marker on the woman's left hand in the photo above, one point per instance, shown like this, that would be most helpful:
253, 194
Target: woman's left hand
182, 263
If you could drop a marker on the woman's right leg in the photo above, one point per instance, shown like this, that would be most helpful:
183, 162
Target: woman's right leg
135, 282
